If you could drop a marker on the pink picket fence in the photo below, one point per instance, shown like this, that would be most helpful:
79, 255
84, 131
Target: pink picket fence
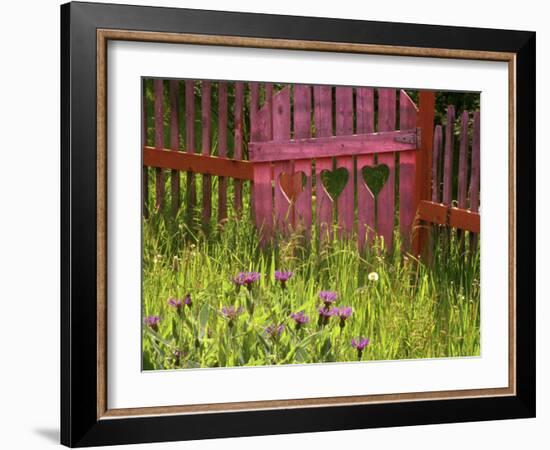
284, 138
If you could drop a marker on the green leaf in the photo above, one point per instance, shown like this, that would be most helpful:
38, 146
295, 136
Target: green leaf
204, 314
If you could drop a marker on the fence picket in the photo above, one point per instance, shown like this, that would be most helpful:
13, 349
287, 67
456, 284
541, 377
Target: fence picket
474, 181
159, 138
302, 129
238, 152
386, 197
365, 200
174, 142
344, 126
281, 131
322, 96
407, 168
463, 162
260, 130
206, 127
222, 148
438, 138
191, 194
145, 173
448, 166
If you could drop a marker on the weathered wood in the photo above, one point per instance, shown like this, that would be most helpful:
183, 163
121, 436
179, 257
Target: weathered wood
448, 158
302, 129
463, 162
238, 152
324, 202
191, 191
159, 138
261, 130
333, 146
386, 197
145, 172
281, 132
474, 180
425, 122
222, 148
322, 111
364, 99
442, 214
206, 127
322, 101
174, 143
344, 126
197, 163
438, 139
407, 172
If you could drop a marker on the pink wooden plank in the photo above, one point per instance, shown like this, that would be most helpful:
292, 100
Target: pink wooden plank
261, 130
344, 126
474, 180
463, 162
281, 131
438, 137
191, 190
407, 171
222, 148
322, 98
303, 209
386, 197
302, 129
206, 105
364, 99
448, 158
174, 142
325, 203
159, 138
322, 104
325, 147
238, 152
145, 174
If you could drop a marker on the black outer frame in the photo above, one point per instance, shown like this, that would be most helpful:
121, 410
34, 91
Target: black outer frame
79, 424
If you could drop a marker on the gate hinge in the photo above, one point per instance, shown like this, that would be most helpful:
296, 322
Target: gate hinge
409, 138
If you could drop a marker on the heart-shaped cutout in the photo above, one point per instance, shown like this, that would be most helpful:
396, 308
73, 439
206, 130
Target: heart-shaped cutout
375, 177
292, 184
335, 181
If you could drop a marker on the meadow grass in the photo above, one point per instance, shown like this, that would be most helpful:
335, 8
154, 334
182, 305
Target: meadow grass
408, 310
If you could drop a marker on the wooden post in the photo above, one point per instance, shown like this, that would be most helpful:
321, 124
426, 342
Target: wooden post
424, 121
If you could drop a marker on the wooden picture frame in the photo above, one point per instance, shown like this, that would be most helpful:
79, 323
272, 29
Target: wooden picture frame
86, 419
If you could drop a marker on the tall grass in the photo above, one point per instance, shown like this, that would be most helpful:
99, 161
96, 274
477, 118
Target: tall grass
408, 310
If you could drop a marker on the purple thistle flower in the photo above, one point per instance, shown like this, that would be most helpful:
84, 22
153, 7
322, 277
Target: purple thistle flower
359, 344
274, 331
187, 300
175, 303
152, 322
283, 277
344, 314
231, 313
246, 279
328, 297
300, 318
325, 314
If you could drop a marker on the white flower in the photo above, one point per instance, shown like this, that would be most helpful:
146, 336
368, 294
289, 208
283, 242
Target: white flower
373, 276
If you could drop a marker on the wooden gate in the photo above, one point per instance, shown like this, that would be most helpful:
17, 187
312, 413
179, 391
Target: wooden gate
282, 200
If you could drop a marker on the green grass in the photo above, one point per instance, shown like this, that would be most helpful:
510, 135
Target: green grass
414, 310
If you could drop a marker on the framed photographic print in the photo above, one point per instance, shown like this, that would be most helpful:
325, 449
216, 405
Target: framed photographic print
276, 224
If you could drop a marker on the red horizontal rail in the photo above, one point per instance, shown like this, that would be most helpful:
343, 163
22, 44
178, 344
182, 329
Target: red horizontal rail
322, 147
196, 163
441, 214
